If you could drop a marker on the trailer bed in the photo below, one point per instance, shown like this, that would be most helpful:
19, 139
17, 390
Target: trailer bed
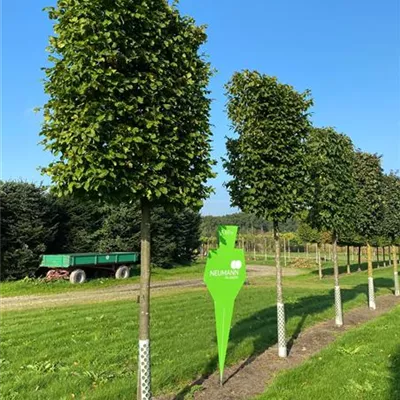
88, 259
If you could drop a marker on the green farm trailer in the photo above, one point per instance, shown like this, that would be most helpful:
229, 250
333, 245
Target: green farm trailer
76, 267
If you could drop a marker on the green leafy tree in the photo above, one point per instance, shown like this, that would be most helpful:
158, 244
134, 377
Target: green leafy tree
267, 159
391, 220
332, 184
128, 113
369, 210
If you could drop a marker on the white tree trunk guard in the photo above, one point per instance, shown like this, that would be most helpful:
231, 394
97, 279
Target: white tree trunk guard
371, 293
338, 307
396, 284
282, 351
144, 369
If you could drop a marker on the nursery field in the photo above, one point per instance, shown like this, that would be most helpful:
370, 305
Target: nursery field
89, 351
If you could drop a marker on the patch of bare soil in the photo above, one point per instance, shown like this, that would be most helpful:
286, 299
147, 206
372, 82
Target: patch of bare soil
251, 377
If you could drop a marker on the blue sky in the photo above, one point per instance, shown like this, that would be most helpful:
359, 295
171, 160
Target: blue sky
345, 51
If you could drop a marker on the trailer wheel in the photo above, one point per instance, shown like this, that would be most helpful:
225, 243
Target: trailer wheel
77, 276
122, 272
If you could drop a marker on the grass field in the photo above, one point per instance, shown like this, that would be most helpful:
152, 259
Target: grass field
196, 270
362, 364
89, 351
37, 286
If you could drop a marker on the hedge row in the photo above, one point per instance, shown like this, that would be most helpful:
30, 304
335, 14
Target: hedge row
33, 222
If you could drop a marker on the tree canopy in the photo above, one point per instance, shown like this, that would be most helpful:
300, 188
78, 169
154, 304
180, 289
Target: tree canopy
391, 207
332, 184
128, 110
369, 199
267, 160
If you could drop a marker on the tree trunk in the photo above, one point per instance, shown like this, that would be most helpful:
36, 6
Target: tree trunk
384, 256
377, 257
316, 253
284, 252
289, 250
390, 256
282, 350
338, 297
395, 273
359, 258
348, 260
319, 261
371, 289
265, 249
144, 375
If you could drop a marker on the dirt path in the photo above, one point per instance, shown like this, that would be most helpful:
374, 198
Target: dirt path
251, 376
120, 292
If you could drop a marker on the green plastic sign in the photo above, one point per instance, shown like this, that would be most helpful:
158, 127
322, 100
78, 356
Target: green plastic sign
224, 276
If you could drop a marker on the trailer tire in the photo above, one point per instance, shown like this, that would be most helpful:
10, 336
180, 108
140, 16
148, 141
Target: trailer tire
77, 276
122, 272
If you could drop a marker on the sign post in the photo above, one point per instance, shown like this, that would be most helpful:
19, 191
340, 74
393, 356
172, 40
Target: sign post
224, 275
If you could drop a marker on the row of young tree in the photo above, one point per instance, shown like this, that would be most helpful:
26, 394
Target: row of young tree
247, 223
283, 167
305, 243
128, 121
34, 222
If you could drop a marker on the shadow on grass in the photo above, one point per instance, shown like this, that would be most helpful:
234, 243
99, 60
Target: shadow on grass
394, 370
262, 327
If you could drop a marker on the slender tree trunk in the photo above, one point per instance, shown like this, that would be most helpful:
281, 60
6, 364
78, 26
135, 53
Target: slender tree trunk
338, 297
395, 273
319, 261
316, 253
265, 249
359, 258
384, 256
282, 350
390, 255
289, 250
144, 374
377, 257
371, 289
352, 253
348, 260
284, 252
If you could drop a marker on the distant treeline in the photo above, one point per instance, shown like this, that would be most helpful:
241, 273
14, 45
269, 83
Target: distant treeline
33, 222
247, 224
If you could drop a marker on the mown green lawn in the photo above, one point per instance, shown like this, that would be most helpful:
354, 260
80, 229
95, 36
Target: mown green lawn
89, 351
362, 364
